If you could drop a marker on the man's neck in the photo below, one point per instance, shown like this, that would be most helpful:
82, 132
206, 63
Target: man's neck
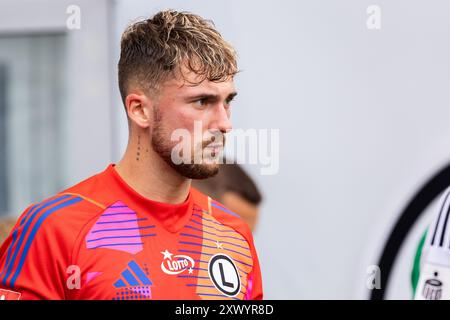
152, 177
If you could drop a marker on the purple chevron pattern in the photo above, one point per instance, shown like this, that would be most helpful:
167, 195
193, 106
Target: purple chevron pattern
117, 229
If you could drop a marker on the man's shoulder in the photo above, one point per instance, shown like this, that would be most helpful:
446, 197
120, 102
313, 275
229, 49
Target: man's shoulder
59, 212
72, 207
230, 218
224, 215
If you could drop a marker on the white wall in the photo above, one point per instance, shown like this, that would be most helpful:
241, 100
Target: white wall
363, 118
80, 90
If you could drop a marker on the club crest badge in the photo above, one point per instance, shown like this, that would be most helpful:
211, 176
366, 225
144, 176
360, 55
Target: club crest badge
224, 274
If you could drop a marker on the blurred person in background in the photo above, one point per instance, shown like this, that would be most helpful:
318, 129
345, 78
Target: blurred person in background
6, 225
138, 230
233, 187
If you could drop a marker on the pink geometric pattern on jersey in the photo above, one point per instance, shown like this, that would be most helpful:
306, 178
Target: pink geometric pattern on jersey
91, 275
117, 229
248, 294
146, 293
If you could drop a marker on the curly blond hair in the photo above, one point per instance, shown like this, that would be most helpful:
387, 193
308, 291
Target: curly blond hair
153, 49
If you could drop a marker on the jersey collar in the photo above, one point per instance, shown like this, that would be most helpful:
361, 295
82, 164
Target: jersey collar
173, 217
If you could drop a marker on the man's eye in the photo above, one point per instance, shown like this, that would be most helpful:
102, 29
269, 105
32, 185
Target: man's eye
201, 102
228, 102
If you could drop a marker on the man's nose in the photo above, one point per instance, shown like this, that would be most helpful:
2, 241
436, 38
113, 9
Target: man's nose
222, 119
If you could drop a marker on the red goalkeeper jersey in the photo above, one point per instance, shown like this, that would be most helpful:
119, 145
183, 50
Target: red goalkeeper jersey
100, 239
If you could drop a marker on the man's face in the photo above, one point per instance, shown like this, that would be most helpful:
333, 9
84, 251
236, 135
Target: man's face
187, 106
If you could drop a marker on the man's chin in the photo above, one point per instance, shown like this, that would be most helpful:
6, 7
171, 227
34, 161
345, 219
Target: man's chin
197, 171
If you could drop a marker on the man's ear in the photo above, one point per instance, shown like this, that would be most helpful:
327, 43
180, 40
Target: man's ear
139, 109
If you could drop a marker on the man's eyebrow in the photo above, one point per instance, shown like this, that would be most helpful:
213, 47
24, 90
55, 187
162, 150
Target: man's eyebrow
210, 96
232, 95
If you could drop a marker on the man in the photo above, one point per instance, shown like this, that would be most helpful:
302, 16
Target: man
138, 230
431, 272
233, 187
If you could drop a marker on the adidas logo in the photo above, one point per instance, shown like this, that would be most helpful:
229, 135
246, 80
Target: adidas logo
133, 276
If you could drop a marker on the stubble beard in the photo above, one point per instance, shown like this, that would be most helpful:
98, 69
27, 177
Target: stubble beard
162, 146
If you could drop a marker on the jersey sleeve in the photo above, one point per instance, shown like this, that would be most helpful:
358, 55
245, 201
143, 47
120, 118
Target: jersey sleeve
434, 275
254, 282
33, 258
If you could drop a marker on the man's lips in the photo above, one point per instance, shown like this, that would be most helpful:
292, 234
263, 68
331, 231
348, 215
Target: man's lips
215, 147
